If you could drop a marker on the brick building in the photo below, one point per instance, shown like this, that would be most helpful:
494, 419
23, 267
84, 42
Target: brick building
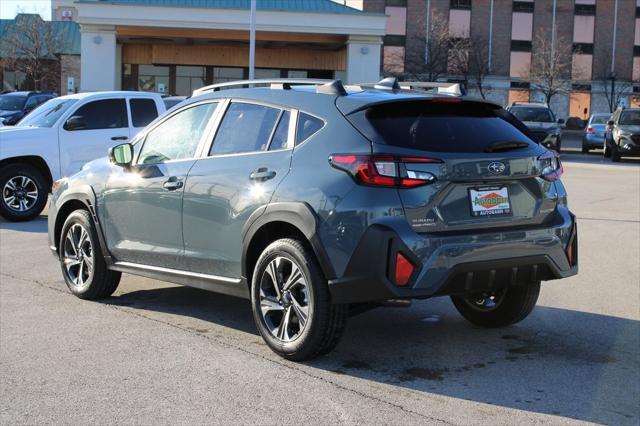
598, 30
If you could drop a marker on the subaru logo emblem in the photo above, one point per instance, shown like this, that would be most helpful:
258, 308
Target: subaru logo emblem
496, 168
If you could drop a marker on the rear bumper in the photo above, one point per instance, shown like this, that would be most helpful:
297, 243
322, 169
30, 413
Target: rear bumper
456, 264
593, 141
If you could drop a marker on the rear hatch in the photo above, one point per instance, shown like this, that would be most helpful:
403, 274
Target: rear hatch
481, 168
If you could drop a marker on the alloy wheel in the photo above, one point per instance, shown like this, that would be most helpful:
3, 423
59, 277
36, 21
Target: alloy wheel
284, 299
77, 255
20, 193
486, 301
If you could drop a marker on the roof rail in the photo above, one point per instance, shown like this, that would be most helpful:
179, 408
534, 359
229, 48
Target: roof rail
328, 87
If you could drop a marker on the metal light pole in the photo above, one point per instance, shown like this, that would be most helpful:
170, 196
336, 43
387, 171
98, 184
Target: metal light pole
252, 41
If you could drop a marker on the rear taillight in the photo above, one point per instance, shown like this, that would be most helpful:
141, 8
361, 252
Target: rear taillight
591, 131
550, 165
404, 270
384, 170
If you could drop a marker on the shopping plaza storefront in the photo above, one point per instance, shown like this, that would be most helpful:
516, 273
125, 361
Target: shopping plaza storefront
176, 46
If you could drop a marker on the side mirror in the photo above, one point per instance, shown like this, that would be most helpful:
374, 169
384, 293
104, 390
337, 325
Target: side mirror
121, 155
75, 123
610, 123
560, 120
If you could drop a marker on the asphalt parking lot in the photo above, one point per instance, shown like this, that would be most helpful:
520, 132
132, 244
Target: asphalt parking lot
159, 353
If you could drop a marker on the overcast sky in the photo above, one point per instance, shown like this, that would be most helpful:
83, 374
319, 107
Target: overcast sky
9, 8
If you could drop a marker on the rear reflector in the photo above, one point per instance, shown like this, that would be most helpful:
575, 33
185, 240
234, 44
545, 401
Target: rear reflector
384, 170
404, 270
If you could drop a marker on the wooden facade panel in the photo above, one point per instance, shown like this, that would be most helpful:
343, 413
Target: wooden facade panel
136, 54
198, 33
236, 56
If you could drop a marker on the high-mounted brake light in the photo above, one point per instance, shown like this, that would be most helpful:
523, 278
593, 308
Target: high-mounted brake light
550, 166
384, 170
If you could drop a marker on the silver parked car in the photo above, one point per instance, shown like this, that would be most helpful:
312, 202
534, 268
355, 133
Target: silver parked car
594, 132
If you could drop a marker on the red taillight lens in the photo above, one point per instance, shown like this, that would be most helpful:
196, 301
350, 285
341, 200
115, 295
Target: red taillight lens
384, 170
550, 165
591, 131
404, 270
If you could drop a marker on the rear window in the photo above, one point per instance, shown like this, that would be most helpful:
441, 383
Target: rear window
143, 111
600, 119
541, 115
439, 126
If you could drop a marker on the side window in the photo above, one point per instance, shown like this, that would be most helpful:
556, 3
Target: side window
245, 128
307, 126
104, 114
177, 137
32, 101
143, 111
281, 135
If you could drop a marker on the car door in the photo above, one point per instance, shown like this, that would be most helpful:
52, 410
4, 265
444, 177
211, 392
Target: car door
90, 131
142, 205
249, 157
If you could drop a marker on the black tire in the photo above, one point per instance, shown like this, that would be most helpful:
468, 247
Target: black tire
516, 304
14, 175
585, 150
324, 323
615, 154
606, 150
100, 281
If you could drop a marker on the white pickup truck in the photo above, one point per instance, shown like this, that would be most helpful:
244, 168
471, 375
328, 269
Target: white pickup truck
59, 137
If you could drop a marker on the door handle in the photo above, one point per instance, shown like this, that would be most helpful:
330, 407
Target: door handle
262, 174
172, 184
119, 138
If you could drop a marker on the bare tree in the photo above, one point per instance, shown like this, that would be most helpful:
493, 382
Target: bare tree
551, 66
29, 45
426, 57
613, 89
469, 59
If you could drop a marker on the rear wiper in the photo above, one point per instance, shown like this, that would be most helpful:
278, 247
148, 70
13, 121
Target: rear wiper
502, 146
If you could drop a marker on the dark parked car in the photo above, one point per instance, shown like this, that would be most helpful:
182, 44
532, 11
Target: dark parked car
594, 132
622, 137
15, 105
541, 122
316, 202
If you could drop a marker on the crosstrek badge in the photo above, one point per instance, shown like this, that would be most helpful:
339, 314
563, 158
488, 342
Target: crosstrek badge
489, 201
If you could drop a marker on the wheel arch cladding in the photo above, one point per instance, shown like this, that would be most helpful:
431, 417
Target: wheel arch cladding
282, 220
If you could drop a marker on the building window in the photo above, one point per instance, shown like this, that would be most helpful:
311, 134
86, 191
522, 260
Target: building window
459, 23
188, 79
584, 48
636, 68
267, 73
396, 20
521, 26
585, 9
460, 4
394, 40
518, 96
579, 105
520, 46
152, 78
581, 67
224, 74
393, 59
14, 80
402, 3
583, 29
523, 6
520, 65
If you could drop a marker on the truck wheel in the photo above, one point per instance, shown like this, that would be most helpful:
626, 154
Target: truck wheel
498, 309
291, 302
82, 261
24, 192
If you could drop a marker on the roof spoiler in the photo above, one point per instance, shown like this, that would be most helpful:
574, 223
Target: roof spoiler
392, 83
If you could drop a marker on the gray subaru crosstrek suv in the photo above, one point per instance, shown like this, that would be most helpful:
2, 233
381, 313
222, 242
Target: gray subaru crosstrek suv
315, 201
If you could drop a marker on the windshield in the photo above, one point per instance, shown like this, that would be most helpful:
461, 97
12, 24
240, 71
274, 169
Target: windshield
12, 102
47, 114
600, 119
543, 115
630, 118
